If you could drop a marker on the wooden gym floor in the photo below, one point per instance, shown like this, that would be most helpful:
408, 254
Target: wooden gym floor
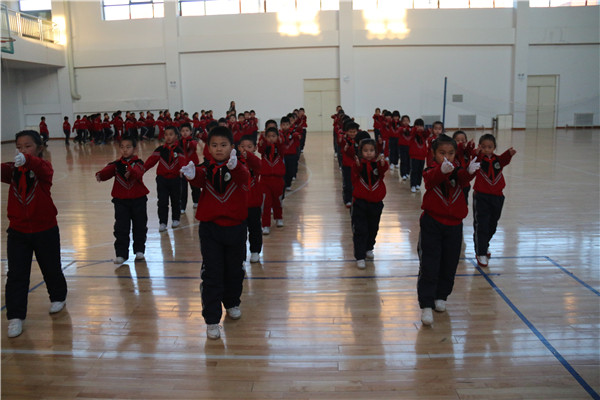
313, 325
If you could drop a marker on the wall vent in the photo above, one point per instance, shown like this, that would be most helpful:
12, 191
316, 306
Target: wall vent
467, 121
583, 119
457, 98
430, 119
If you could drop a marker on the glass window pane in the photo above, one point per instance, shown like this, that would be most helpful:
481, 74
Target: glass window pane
560, 3
482, 3
504, 3
35, 5
191, 8
220, 7
280, 5
330, 4
159, 10
141, 11
116, 2
539, 3
426, 3
116, 13
253, 6
454, 3
364, 4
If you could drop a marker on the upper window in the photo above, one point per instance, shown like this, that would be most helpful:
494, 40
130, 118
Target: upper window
219, 7
407, 4
35, 5
133, 9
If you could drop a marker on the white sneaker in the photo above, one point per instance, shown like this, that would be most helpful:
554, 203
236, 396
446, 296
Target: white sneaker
139, 256
348, 204
195, 205
403, 177
15, 327
162, 227
254, 257
418, 187
360, 264
175, 224
57, 306
182, 211
370, 255
482, 261
391, 167
440, 305
266, 230
234, 312
119, 260
213, 331
427, 316
413, 189
288, 189
279, 223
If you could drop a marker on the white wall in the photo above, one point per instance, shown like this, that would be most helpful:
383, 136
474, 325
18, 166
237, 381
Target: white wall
269, 81
212, 60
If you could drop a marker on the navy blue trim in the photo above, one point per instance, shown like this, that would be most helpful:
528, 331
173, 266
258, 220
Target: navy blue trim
539, 335
572, 275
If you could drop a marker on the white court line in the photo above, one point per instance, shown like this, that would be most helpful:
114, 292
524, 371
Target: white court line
111, 354
309, 172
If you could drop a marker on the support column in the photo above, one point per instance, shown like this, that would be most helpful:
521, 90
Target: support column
171, 43
520, 64
346, 57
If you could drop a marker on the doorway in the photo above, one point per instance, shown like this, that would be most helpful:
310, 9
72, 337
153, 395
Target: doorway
321, 96
541, 101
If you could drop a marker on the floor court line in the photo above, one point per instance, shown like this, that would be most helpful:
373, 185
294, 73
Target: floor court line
572, 275
539, 335
110, 354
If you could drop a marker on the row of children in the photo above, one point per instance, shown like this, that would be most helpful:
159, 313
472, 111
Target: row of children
451, 164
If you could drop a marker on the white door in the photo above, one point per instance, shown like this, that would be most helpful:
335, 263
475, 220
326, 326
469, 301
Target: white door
321, 96
541, 101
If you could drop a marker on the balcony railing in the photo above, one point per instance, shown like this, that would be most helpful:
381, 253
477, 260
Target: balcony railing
30, 26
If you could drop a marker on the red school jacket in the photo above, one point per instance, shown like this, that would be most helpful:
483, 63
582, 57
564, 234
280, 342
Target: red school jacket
272, 159
224, 196
367, 180
489, 179
255, 195
444, 199
170, 159
30, 206
131, 187
418, 147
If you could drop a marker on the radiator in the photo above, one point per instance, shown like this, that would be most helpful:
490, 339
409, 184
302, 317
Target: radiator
467, 121
583, 119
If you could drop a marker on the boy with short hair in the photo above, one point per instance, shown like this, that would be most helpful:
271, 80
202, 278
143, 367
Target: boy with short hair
222, 212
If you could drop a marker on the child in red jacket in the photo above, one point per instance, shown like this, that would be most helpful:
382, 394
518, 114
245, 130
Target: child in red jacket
171, 158
222, 212
464, 153
67, 130
348, 147
417, 151
189, 146
441, 237
272, 171
487, 195
44, 131
129, 197
367, 205
32, 229
247, 147
404, 143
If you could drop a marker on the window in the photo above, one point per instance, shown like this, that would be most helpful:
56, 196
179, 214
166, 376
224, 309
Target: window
218, 7
376, 4
133, 9
35, 5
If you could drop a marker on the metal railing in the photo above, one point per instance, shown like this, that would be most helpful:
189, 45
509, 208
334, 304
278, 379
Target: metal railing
30, 26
